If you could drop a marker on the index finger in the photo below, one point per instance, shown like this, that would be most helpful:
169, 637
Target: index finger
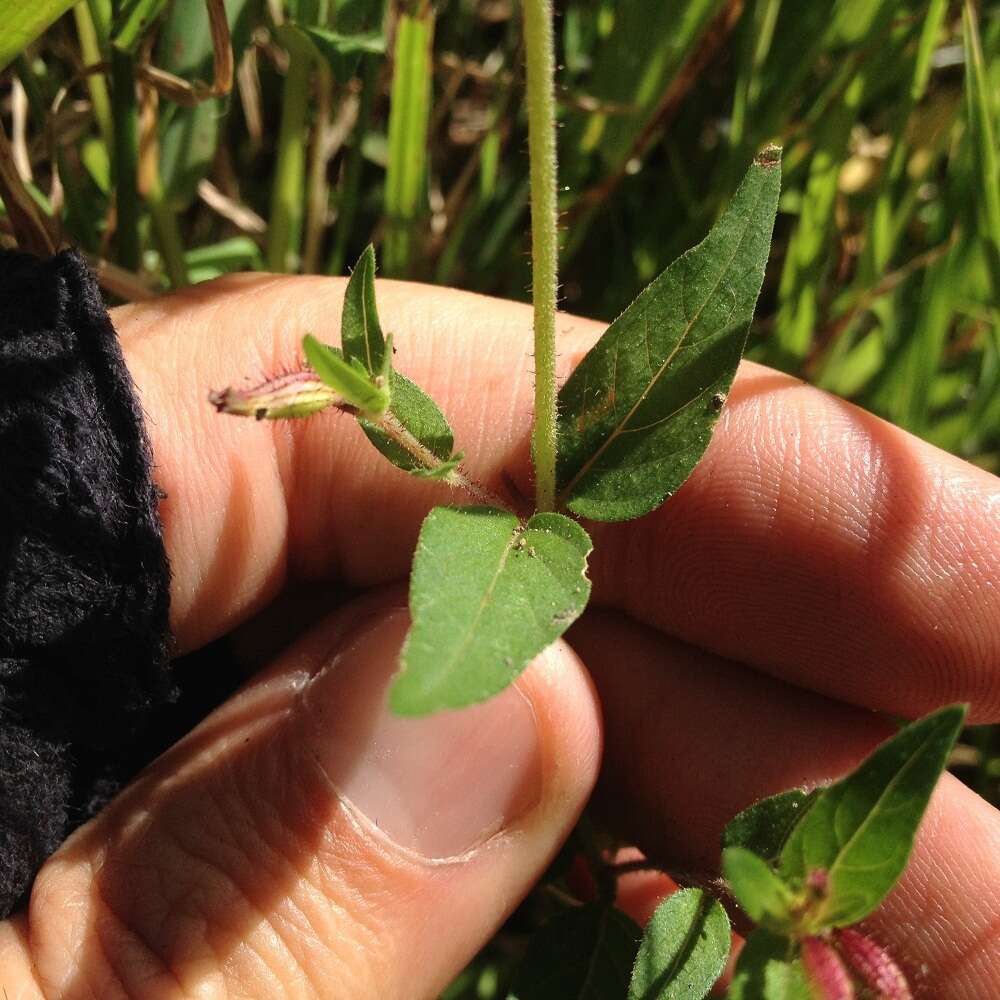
813, 540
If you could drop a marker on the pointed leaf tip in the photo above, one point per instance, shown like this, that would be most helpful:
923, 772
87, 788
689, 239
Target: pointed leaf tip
861, 830
769, 156
638, 412
360, 332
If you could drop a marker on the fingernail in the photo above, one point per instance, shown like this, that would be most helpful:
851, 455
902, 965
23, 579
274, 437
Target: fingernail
440, 785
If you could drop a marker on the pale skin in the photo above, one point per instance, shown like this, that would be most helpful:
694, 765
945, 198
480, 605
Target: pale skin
819, 571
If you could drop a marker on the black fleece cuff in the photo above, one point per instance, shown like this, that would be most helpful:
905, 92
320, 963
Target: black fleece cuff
84, 580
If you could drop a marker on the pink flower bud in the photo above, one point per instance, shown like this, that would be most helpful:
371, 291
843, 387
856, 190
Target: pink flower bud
871, 963
298, 394
825, 971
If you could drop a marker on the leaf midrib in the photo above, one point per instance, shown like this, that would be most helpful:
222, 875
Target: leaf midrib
686, 949
863, 826
488, 594
616, 432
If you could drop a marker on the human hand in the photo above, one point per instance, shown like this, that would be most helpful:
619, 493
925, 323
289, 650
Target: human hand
817, 566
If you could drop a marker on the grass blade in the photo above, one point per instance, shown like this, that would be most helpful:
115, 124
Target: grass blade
409, 115
24, 22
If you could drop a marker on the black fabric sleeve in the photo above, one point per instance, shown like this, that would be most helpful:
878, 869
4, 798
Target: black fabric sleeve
84, 580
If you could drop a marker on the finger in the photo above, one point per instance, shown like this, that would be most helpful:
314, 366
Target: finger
249, 504
942, 921
827, 547
814, 540
303, 841
691, 739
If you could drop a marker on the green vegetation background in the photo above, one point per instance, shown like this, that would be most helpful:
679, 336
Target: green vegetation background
403, 122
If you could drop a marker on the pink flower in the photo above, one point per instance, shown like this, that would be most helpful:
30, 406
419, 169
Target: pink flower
825, 971
872, 965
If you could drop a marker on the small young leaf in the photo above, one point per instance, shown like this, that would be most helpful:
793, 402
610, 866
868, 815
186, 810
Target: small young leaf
860, 831
769, 969
486, 595
684, 949
765, 899
442, 471
765, 826
419, 414
637, 413
583, 954
350, 380
360, 333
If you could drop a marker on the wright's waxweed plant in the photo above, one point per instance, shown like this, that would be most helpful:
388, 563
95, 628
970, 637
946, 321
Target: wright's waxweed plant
492, 586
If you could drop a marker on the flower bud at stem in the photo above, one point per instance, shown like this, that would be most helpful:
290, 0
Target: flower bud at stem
871, 963
828, 978
299, 394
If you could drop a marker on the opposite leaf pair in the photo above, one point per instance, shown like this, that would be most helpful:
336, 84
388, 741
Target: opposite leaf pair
803, 866
490, 591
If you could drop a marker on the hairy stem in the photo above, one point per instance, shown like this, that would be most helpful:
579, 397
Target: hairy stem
456, 478
285, 227
303, 393
540, 65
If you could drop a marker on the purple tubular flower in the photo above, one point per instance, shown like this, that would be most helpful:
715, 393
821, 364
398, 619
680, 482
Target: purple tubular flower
826, 973
298, 394
871, 963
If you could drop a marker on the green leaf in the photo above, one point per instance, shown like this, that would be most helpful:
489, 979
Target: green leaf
638, 412
189, 136
341, 52
487, 594
442, 471
132, 22
583, 954
769, 969
355, 17
360, 333
981, 107
419, 414
684, 949
860, 831
349, 379
409, 120
24, 22
761, 893
765, 826
365, 345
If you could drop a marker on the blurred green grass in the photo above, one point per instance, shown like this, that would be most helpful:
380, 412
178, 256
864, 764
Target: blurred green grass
403, 122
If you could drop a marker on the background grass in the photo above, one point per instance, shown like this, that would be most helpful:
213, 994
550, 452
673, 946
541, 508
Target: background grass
403, 122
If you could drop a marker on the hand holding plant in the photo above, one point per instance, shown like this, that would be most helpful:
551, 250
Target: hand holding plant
814, 573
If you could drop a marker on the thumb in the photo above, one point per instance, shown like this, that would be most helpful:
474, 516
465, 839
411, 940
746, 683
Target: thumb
302, 841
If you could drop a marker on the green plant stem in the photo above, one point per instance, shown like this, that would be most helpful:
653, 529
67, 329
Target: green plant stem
409, 117
285, 225
90, 50
457, 478
540, 65
126, 160
168, 237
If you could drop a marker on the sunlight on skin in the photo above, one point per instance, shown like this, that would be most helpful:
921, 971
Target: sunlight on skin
854, 566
